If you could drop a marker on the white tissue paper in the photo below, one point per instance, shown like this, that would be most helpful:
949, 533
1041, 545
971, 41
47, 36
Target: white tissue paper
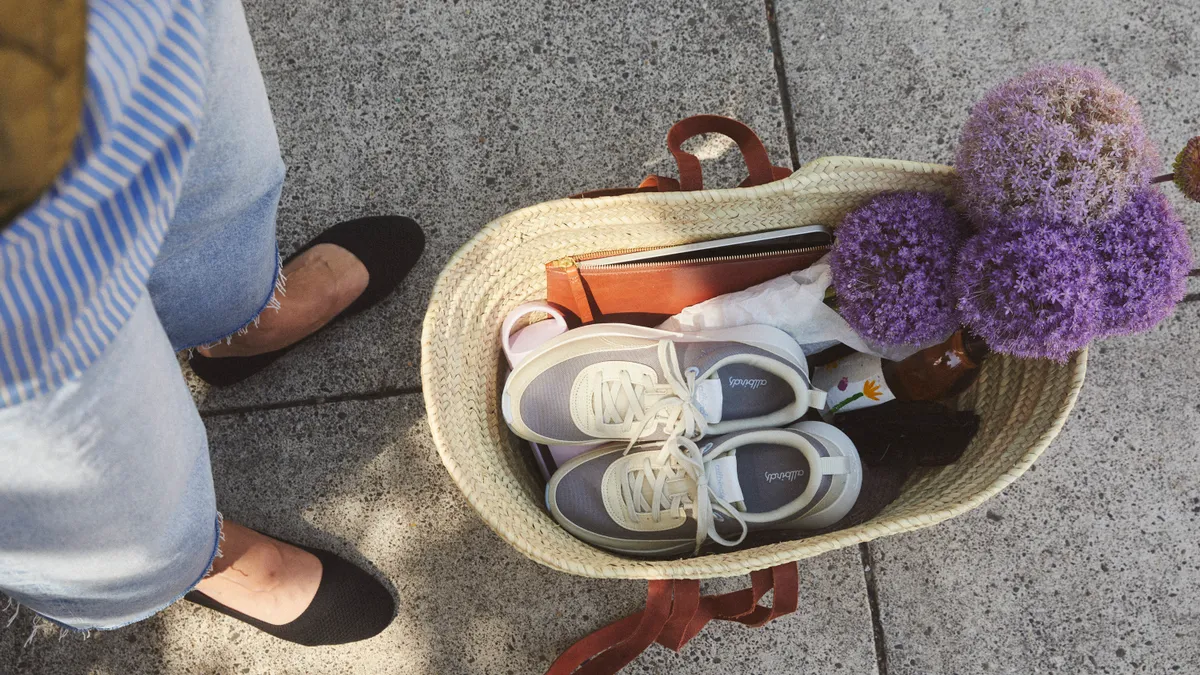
793, 303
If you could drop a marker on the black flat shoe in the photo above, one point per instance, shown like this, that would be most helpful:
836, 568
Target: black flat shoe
388, 246
350, 605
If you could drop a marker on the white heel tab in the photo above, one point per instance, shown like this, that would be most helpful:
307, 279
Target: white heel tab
833, 466
816, 399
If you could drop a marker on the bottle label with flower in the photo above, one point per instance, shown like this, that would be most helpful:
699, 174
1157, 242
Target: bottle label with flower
853, 382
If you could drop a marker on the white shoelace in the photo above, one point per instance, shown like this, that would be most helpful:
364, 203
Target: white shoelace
623, 400
679, 459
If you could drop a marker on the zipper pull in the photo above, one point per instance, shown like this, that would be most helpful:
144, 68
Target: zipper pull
563, 263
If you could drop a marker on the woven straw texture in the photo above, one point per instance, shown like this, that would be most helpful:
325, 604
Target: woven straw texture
1023, 404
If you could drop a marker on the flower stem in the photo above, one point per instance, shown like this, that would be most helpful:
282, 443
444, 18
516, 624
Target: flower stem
844, 402
1163, 178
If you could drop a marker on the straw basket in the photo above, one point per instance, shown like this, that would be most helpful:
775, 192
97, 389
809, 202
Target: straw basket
1022, 403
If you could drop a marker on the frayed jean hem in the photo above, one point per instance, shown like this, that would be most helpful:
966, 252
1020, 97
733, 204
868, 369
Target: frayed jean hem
277, 291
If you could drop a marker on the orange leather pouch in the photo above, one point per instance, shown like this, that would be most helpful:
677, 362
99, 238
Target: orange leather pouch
649, 293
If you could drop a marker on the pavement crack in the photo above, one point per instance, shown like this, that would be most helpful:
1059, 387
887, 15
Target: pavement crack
389, 392
868, 564
785, 96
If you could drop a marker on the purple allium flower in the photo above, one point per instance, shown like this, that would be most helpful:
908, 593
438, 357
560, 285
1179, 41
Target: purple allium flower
1144, 261
1030, 289
892, 262
1058, 144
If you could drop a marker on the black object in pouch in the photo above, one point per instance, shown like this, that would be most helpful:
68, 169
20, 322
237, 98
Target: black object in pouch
909, 433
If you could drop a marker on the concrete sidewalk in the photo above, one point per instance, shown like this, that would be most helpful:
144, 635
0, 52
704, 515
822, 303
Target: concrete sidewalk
458, 112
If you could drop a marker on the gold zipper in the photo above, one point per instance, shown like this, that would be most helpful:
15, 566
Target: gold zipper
721, 258
574, 260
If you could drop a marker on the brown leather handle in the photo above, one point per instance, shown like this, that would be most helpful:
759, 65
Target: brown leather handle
758, 162
691, 177
611, 648
675, 613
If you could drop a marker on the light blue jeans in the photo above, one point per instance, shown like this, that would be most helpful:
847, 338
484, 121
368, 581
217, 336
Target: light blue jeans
107, 512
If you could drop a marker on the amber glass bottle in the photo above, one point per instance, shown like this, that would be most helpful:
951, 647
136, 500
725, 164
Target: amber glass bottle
939, 371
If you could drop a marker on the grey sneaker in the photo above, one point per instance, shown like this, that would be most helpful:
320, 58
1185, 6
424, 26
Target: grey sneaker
622, 382
670, 498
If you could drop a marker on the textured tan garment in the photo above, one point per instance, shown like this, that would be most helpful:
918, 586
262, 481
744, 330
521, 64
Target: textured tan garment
43, 49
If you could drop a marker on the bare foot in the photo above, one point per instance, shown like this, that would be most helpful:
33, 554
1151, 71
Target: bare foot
321, 282
261, 577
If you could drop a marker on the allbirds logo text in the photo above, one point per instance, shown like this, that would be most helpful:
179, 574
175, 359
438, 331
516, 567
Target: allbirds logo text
746, 382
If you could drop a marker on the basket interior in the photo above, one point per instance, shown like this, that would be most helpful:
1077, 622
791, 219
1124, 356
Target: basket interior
1022, 404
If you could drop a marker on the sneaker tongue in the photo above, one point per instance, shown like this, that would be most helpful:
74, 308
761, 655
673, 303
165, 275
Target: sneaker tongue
723, 479
672, 488
709, 399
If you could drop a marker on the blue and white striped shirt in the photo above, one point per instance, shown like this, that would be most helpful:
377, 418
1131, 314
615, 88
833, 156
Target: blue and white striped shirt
73, 266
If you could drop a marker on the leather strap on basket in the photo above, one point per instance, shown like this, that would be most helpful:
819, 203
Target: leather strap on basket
691, 177
675, 613
758, 162
580, 294
650, 183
